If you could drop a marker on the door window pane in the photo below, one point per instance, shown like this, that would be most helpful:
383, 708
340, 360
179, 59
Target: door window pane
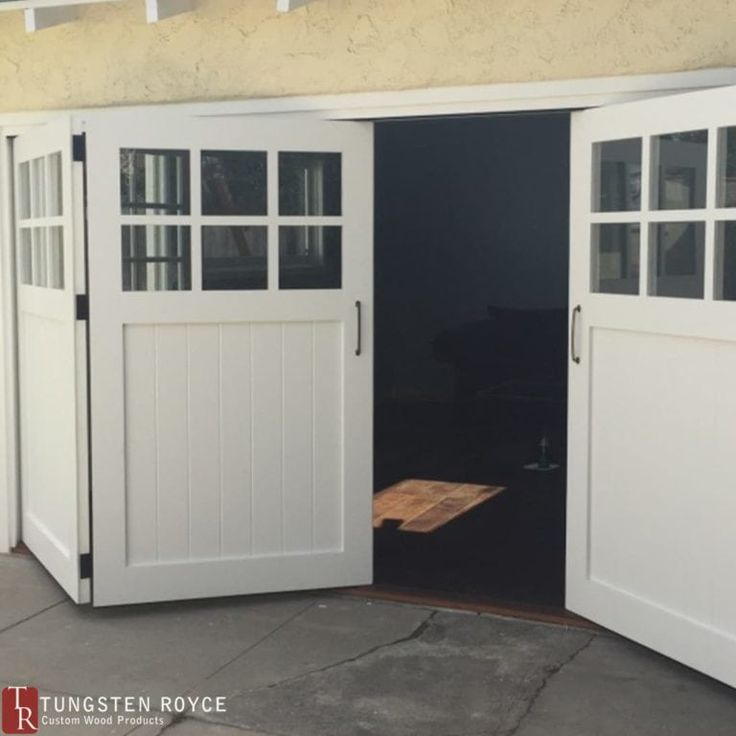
726, 261
310, 184
727, 169
615, 258
56, 204
154, 182
55, 237
38, 187
234, 258
233, 183
40, 263
156, 258
618, 177
24, 191
310, 257
681, 171
678, 259
26, 256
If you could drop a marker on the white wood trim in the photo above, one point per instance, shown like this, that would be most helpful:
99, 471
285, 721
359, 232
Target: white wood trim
36, 19
285, 6
9, 479
566, 94
30, 4
520, 96
40, 14
157, 10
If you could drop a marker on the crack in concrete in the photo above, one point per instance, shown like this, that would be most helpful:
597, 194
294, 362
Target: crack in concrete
31, 616
551, 673
251, 647
416, 633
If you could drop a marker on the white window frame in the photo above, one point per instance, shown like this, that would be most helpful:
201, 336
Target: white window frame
40, 14
570, 94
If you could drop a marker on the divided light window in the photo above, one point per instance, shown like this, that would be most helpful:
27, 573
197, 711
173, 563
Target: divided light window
226, 224
656, 215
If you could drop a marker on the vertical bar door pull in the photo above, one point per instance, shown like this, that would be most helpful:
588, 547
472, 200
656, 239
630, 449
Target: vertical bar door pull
573, 334
358, 313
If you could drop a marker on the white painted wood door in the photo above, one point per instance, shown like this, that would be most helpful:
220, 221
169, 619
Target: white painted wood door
230, 262
652, 479
51, 353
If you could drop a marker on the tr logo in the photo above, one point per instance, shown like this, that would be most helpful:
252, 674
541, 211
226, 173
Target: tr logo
20, 710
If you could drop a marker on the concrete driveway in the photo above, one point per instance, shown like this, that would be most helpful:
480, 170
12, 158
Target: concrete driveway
326, 665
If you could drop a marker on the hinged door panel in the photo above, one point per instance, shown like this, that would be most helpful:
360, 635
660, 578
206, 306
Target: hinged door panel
231, 413
51, 347
651, 504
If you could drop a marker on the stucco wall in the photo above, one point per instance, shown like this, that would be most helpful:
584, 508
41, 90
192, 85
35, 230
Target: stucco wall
242, 48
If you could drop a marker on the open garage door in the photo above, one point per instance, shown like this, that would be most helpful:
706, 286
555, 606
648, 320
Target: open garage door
651, 508
51, 354
231, 356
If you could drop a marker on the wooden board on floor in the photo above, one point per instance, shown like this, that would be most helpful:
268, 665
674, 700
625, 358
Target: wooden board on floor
423, 506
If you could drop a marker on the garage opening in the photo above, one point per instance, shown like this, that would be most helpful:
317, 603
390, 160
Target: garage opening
471, 295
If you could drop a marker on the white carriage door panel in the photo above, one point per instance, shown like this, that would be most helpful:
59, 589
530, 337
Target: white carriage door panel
329, 440
651, 550
299, 418
236, 440
51, 345
232, 443
141, 462
268, 438
204, 409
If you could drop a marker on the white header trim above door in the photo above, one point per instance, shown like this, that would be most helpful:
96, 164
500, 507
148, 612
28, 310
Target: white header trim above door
566, 94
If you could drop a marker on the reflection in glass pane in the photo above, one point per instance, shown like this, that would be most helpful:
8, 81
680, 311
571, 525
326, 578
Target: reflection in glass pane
234, 257
727, 169
618, 178
681, 178
310, 257
56, 257
234, 183
38, 187
56, 205
678, 259
24, 191
726, 261
26, 257
615, 258
310, 184
154, 182
156, 258
40, 264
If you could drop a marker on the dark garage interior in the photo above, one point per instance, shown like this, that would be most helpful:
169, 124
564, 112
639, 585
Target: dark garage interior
471, 284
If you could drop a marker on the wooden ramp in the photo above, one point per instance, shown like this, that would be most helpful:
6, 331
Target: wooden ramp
424, 506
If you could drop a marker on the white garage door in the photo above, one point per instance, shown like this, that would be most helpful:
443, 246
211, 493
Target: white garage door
230, 267
652, 491
51, 354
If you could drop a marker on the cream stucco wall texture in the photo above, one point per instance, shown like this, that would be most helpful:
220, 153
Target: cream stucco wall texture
228, 49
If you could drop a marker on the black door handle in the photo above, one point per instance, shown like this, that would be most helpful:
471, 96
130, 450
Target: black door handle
359, 317
573, 333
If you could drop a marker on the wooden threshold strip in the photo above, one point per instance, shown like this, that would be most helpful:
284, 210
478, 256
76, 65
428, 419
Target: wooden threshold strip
476, 604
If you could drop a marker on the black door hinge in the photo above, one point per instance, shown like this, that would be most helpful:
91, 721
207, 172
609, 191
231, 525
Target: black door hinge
85, 566
79, 147
82, 307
